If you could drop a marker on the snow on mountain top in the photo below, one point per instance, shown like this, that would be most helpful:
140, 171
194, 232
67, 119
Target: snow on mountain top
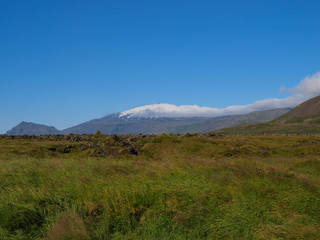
170, 110
167, 110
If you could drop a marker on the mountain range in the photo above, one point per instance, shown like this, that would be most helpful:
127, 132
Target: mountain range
153, 119
121, 123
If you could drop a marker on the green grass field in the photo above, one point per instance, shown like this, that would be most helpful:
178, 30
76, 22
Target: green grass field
160, 187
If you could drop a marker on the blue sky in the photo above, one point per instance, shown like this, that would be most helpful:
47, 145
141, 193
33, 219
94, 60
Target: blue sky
65, 62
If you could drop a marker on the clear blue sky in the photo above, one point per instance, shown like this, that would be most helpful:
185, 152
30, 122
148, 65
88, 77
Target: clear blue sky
65, 62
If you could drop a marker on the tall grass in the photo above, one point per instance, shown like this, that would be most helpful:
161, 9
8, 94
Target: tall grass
176, 187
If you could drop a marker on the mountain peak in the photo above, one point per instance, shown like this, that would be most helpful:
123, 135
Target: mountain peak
29, 128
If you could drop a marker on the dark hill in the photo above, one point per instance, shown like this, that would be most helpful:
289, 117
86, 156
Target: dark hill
28, 128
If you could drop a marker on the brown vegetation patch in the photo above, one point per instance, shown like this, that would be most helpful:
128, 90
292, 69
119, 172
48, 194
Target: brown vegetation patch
69, 227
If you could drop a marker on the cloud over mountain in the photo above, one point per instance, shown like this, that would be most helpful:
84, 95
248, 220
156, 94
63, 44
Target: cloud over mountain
307, 88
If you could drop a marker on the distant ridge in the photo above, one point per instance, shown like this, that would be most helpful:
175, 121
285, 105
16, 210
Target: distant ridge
256, 116
303, 119
116, 124
29, 128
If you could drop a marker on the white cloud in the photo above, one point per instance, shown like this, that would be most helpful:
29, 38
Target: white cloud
307, 88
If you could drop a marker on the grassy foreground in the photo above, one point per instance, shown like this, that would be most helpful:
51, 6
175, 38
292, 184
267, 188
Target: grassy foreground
160, 187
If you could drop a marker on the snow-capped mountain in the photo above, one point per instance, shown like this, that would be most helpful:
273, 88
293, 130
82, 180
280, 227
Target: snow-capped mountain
168, 110
164, 110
